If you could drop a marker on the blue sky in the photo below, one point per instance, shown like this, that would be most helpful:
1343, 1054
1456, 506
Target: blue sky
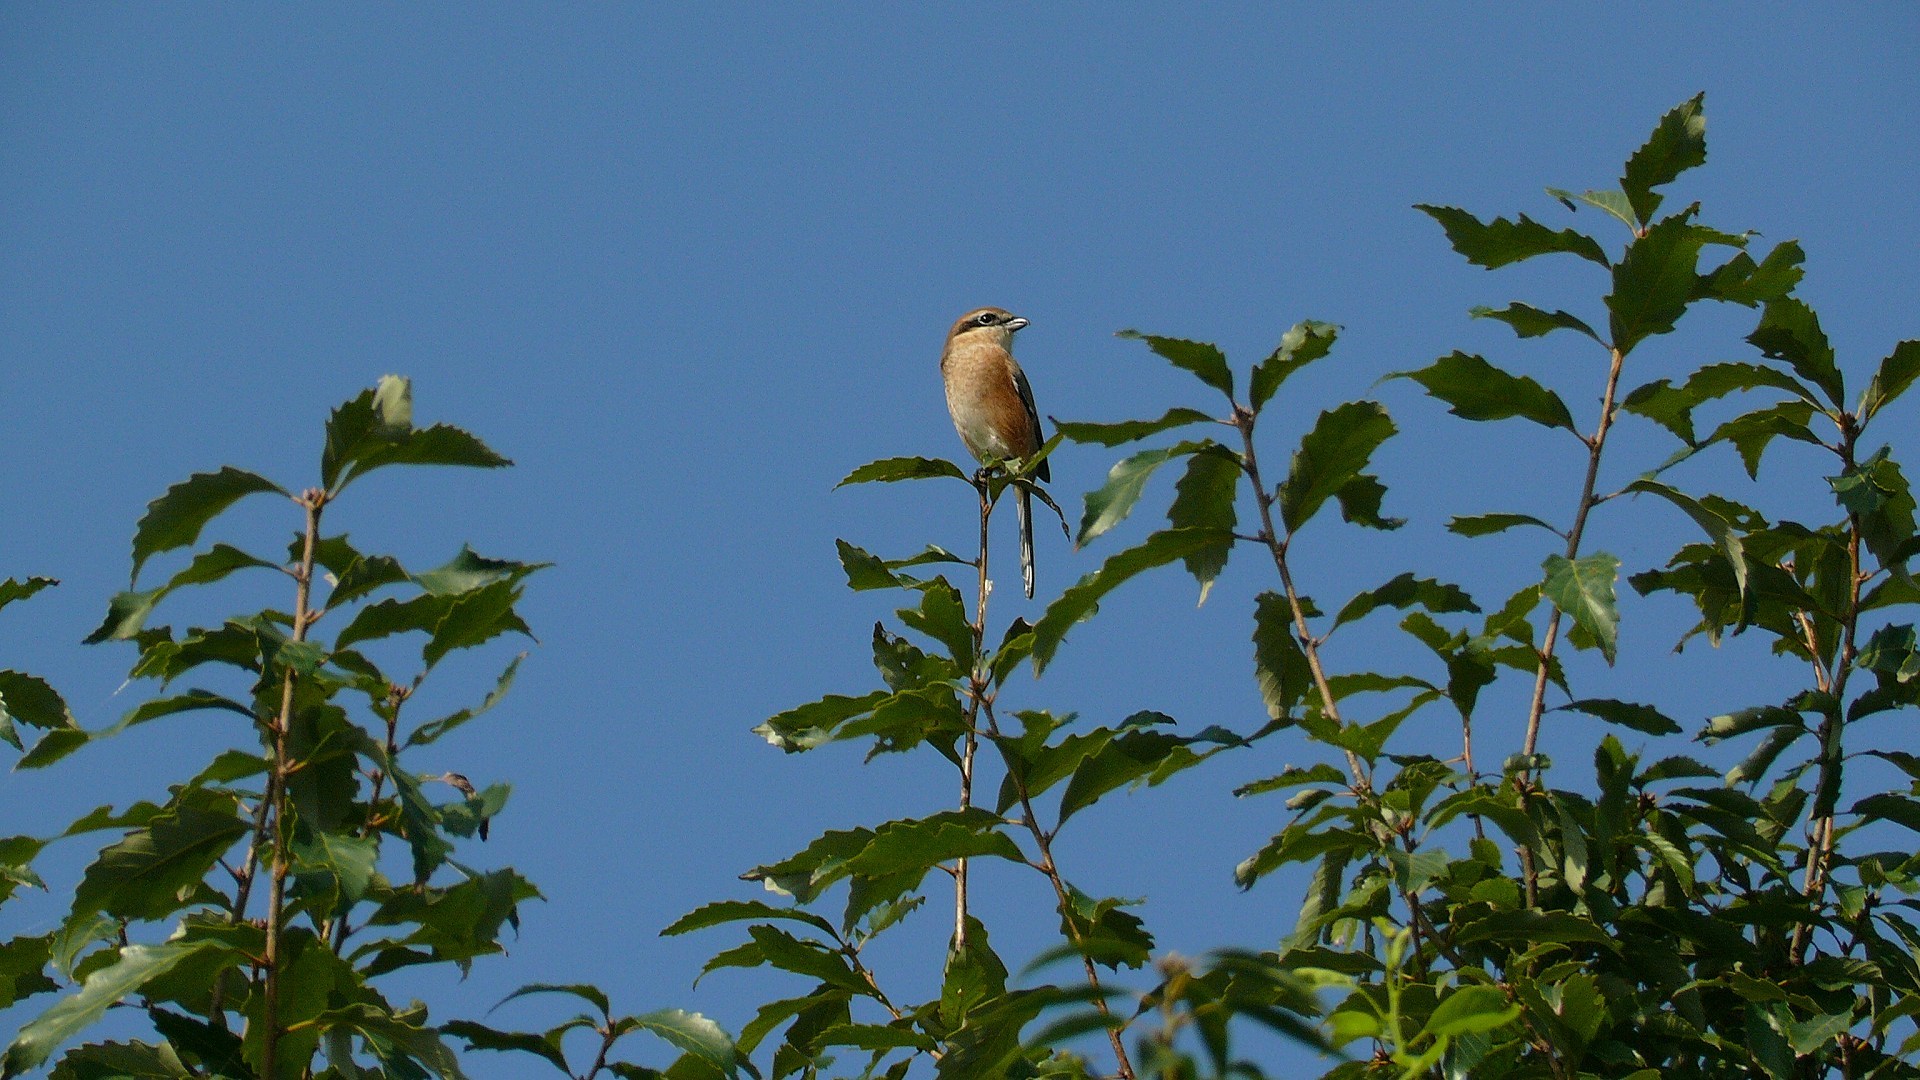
688, 267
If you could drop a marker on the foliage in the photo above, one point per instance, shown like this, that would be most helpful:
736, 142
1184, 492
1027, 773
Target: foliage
1666, 917
278, 885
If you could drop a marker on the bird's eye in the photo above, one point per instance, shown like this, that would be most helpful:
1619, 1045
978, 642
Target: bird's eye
985, 318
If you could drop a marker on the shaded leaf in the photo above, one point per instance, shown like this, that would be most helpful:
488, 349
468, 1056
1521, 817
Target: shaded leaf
1790, 331
175, 519
1301, 345
1204, 360
890, 470
1677, 144
1529, 321
1204, 498
11, 590
1407, 591
1126, 431
132, 968
1895, 374
1488, 524
1655, 280
1644, 718
1110, 503
1476, 390
1499, 242
1330, 458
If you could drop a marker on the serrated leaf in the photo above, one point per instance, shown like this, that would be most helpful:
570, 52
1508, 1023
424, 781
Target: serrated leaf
590, 994
1672, 406
1644, 718
690, 1032
1081, 599
11, 590
1407, 591
474, 618
470, 570
1498, 242
1126, 431
1751, 433
1280, 667
1488, 524
1612, 202
1742, 281
721, 912
1678, 143
1204, 360
1331, 457
175, 519
1717, 528
147, 872
1476, 390
1583, 588
892, 470
1204, 498
1790, 331
134, 967
1895, 374
30, 700
480, 1037
1655, 280
1529, 321
1301, 345
1110, 503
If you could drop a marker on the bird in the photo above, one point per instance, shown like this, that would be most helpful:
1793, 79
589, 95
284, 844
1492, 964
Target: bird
992, 405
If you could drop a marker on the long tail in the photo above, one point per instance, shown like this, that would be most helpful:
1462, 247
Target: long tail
1026, 540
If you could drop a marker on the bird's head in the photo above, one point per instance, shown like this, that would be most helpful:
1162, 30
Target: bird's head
987, 325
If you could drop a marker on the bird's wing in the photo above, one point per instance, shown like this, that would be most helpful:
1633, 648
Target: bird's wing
1033, 416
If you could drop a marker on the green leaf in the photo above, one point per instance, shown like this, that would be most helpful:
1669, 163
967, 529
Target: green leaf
126, 615
1672, 406
23, 963
1126, 431
1742, 281
1299, 346
432, 730
175, 519
1612, 202
1499, 242
1896, 373
474, 618
1204, 360
1655, 280
1330, 458
1469, 1010
469, 570
1476, 390
148, 872
1279, 665
30, 700
1583, 588
725, 911
1488, 524
1534, 926
891, 470
134, 967
807, 726
376, 416
1644, 718
920, 844
11, 590
1404, 592
691, 1032
1790, 331
942, 616
1717, 528
592, 995
480, 1037
1751, 433
1204, 498
1528, 321
1677, 144
344, 863
1110, 503
865, 570
1081, 599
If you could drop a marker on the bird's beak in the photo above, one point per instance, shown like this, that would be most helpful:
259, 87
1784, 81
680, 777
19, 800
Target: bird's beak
1015, 324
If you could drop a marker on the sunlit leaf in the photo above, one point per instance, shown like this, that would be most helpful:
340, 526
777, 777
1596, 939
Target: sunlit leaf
1583, 588
1476, 390
1204, 360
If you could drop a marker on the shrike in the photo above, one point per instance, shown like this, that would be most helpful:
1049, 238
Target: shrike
992, 405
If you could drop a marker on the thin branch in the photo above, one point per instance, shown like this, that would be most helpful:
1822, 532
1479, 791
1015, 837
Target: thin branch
312, 501
1243, 419
1043, 841
976, 686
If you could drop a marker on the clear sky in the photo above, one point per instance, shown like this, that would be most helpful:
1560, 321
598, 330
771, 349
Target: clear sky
688, 266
